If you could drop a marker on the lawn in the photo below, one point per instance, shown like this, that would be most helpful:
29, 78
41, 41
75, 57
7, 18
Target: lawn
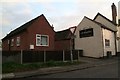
16, 67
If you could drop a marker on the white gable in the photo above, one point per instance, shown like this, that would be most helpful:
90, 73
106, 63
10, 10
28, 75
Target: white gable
91, 36
104, 21
91, 45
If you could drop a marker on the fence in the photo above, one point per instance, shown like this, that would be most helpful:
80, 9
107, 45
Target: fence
14, 56
40, 56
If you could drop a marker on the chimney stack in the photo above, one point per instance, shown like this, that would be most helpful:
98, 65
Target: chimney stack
52, 26
114, 13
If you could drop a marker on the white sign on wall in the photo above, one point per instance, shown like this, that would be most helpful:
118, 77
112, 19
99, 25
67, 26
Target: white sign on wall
31, 46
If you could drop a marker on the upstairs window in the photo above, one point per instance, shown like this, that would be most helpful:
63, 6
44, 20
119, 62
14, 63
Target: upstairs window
107, 42
38, 40
12, 42
18, 41
42, 40
8, 41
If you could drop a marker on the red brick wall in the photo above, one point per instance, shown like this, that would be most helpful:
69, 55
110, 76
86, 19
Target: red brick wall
5, 45
41, 27
62, 45
23, 42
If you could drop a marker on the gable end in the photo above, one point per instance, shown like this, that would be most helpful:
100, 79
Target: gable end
105, 18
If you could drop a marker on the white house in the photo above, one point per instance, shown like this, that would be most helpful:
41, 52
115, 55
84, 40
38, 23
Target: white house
96, 37
118, 37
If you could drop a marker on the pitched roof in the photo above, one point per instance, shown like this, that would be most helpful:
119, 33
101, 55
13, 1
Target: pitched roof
62, 35
103, 26
22, 28
105, 18
100, 24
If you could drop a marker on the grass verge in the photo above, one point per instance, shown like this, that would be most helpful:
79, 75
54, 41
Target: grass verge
16, 67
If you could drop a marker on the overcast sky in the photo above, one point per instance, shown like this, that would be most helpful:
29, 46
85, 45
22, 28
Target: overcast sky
61, 13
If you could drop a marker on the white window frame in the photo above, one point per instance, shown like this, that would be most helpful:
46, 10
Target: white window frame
41, 39
37, 38
18, 41
12, 42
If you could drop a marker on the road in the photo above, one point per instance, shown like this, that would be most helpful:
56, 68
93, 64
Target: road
103, 71
105, 68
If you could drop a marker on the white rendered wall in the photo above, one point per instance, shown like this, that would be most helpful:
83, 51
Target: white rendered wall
92, 46
107, 34
118, 40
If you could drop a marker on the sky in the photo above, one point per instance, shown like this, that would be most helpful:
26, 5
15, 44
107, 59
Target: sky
61, 13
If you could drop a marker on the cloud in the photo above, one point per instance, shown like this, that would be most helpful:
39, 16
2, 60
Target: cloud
13, 15
17, 1
119, 10
11, 12
62, 16
64, 22
1, 32
42, 1
61, 13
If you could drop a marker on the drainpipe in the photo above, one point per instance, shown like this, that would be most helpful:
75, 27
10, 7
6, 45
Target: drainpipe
72, 42
102, 42
115, 33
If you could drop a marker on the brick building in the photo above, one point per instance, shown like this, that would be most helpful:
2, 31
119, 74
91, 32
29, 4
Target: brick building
64, 40
36, 34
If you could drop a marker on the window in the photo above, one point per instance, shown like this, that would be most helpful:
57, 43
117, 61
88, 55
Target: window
41, 40
18, 41
38, 40
12, 42
8, 41
44, 40
107, 42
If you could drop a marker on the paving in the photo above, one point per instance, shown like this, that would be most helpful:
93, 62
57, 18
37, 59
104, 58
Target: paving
89, 62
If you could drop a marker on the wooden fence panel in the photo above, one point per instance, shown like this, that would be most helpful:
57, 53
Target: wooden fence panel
75, 54
54, 55
33, 56
67, 55
11, 56
40, 56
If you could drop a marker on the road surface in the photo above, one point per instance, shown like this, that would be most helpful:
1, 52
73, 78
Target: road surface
103, 71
